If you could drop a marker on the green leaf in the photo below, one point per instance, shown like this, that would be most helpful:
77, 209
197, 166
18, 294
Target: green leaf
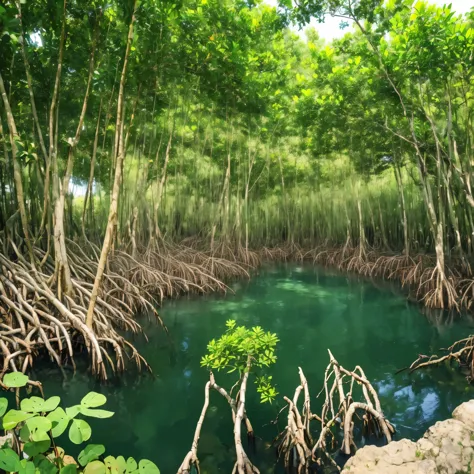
32, 404
147, 467
36, 447
39, 423
3, 406
115, 465
36, 429
13, 417
96, 413
51, 403
25, 433
95, 467
9, 460
79, 431
131, 465
26, 467
73, 411
93, 400
59, 421
90, 453
69, 469
44, 466
15, 380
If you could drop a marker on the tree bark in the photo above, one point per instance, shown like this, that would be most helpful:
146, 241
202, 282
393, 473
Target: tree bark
14, 137
112, 219
89, 190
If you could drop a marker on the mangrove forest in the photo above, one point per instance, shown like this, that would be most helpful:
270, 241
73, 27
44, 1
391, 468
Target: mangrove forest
209, 207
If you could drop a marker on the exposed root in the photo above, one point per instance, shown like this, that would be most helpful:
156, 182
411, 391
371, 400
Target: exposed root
435, 286
243, 465
295, 443
461, 351
191, 460
34, 319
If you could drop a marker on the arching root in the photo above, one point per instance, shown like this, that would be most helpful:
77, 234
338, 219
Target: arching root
34, 319
295, 444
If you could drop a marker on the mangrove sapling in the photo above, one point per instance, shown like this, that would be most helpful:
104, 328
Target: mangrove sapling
32, 433
247, 352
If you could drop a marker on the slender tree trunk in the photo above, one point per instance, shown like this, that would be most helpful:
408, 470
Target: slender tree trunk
112, 219
285, 201
401, 194
62, 272
29, 81
17, 176
89, 191
221, 201
161, 184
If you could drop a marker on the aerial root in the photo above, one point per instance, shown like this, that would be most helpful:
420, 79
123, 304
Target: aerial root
295, 444
35, 319
243, 465
448, 287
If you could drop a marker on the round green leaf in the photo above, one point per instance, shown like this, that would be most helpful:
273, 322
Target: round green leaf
90, 453
73, 411
51, 403
32, 404
79, 431
36, 447
69, 469
26, 467
93, 400
9, 460
15, 380
3, 406
59, 421
132, 465
13, 417
115, 465
96, 413
39, 423
147, 467
95, 467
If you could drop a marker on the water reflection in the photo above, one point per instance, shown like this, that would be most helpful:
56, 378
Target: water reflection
311, 310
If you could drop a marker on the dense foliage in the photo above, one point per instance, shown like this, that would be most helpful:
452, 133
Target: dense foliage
244, 350
234, 127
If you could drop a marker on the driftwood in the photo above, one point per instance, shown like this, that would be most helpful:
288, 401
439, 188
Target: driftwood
461, 351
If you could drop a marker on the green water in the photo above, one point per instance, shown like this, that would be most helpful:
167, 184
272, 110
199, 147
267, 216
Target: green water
311, 310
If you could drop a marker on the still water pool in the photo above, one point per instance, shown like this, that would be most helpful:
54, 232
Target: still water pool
311, 310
